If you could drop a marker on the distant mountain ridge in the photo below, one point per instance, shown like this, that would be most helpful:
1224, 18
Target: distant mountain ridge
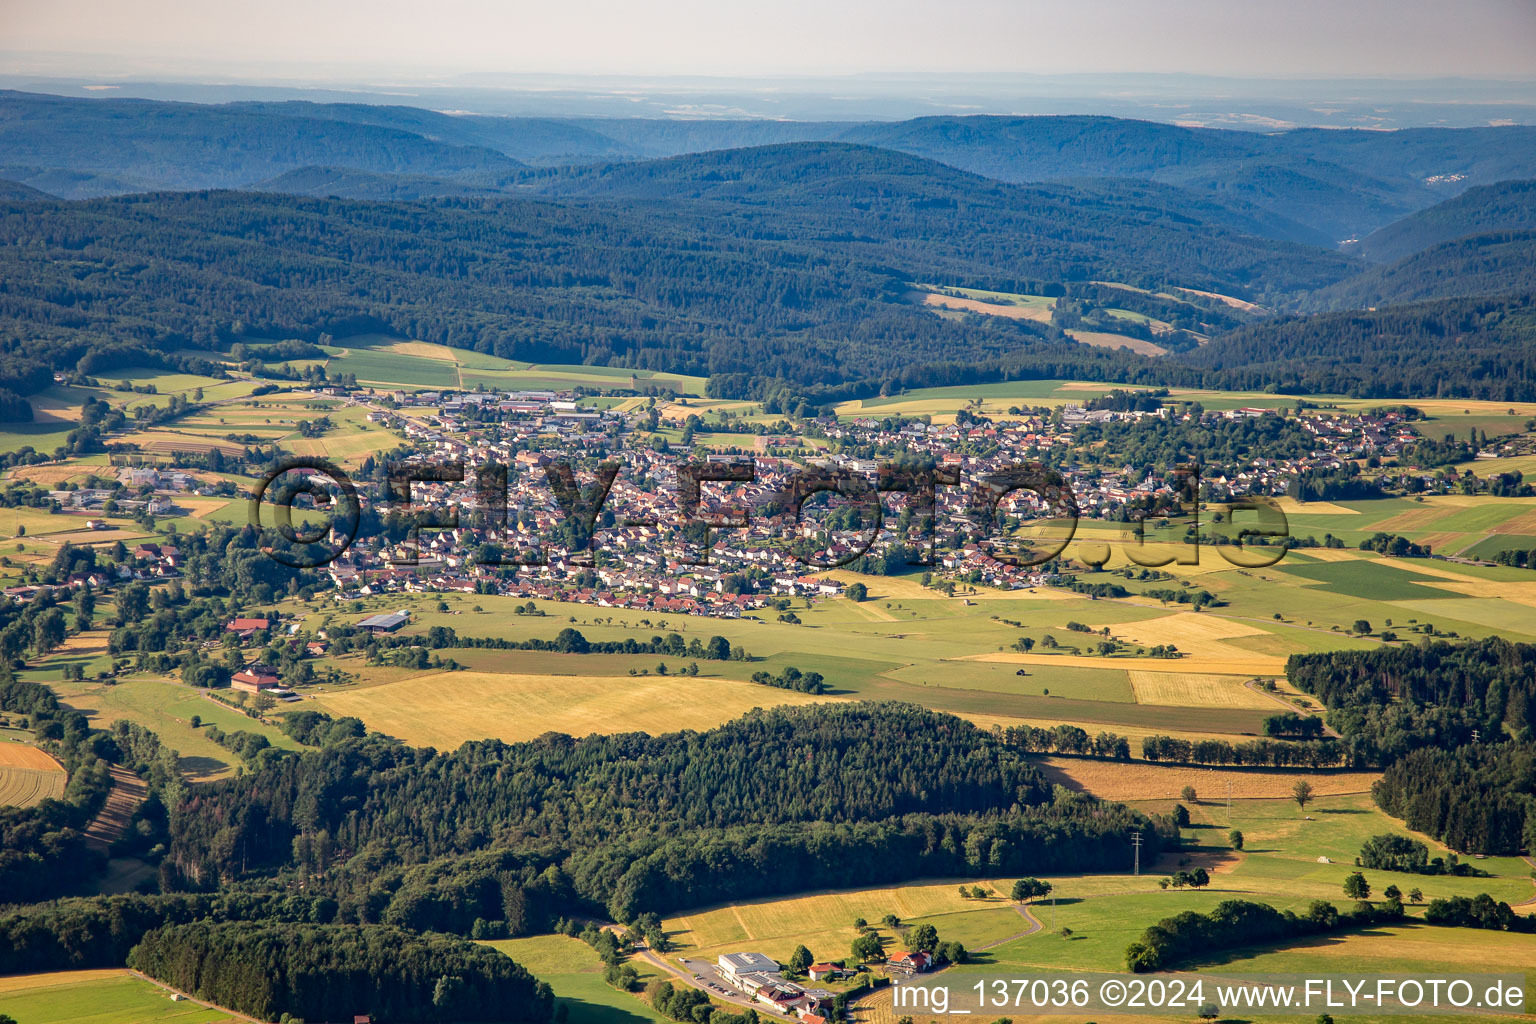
15, 191
1318, 186
190, 146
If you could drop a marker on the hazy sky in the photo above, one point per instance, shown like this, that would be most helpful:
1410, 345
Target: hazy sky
413, 38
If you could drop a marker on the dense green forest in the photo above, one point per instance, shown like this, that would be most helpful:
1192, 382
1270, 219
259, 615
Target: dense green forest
1305, 185
1389, 700
1502, 206
1474, 798
1493, 263
1453, 723
1471, 347
331, 972
771, 801
797, 255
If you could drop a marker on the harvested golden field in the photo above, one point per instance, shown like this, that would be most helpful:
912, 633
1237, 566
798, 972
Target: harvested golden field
1328, 554
53, 475
28, 776
24, 755
1040, 314
21, 982
1415, 519
1137, 780
446, 709
1518, 592
1235, 303
1523, 524
1188, 689
422, 349
1199, 634
1101, 339
174, 441
90, 642
1243, 663
1472, 500
1291, 507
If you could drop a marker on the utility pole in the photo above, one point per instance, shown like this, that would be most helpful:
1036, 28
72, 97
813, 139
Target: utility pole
1477, 736
1136, 844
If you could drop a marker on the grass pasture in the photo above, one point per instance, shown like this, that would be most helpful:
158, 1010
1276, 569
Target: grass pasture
823, 921
572, 969
167, 708
98, 997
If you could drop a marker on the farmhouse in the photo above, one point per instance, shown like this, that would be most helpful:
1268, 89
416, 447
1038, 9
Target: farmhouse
245, 627
824, 972
385, 623
254, 679
910, 963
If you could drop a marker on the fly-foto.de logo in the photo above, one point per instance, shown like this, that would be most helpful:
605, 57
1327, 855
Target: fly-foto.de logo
1021, 515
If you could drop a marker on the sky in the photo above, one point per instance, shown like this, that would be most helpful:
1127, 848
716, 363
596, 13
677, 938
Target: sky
337, 39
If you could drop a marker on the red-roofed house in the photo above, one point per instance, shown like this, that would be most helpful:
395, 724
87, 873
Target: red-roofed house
910, 963
255, 678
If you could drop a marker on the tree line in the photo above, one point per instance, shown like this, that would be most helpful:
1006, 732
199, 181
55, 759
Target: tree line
330, 972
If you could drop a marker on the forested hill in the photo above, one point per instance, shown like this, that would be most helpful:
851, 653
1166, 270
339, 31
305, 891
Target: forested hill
1338, 184
781, 800
1495, 263
15, 191
1474, 347
1504, 206
1341, 183
349, 183
861, 192
109, 145
808, 273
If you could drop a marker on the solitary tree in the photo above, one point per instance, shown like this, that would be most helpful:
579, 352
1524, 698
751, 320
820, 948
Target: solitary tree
867, 947
1415, 895
1356, 887
48, 631
1029, 889
800, 960
1236, 839
1302, 793
1188, 795
1392, 892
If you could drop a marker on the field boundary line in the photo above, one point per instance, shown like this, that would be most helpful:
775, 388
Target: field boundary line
190, 998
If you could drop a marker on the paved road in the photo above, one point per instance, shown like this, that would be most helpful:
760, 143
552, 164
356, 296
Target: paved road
703, 974
1026, 914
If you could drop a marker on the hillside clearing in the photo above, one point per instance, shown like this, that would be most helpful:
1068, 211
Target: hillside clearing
1117, 780
449, 708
